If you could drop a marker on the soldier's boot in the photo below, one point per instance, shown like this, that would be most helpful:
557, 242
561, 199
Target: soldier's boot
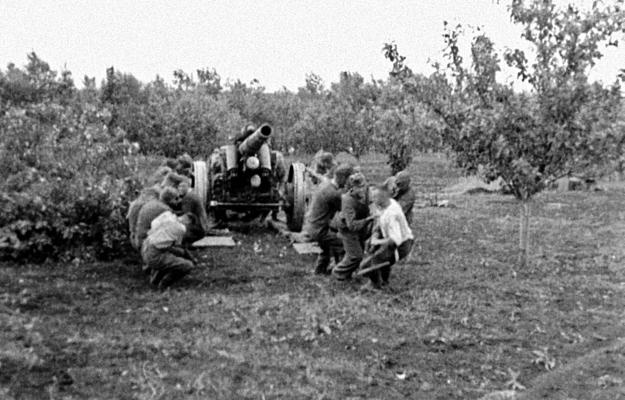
170, 278
155, 277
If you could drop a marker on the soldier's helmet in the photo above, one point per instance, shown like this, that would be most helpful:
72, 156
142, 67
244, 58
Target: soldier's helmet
184, 161
342, 173
325, 162
248, 130
356, 180
169, 196
402, 181
172, 179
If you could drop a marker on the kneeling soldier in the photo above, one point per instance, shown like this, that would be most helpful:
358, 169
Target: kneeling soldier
354, 225
391, 241
326, 202
164, 259
167, 201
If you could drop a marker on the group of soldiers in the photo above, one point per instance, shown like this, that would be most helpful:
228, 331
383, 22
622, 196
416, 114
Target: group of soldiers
166, 216
359, 229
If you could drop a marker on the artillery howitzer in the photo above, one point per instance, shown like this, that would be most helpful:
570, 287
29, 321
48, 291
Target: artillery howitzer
248, 177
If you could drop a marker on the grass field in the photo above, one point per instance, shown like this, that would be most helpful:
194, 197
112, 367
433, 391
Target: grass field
459, 321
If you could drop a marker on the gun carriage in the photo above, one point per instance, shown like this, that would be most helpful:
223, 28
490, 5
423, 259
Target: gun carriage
248, 177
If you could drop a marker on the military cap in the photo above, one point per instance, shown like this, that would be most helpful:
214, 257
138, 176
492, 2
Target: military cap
342, 173
402, 180
169, 196
357, 180
173, 179
185, 161
325, 161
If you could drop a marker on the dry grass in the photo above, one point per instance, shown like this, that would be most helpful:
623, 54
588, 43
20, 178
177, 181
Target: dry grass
256, 324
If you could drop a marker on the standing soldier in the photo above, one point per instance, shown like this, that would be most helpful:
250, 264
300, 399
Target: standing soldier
354, 225
326, 202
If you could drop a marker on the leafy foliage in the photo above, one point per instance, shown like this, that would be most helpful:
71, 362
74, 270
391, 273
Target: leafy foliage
68, 156
565, 124
66, 178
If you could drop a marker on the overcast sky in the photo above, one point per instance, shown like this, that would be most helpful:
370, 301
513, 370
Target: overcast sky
276, 42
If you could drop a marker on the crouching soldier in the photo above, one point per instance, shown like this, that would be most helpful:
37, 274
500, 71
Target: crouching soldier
392, 239
167, 201
147, 194
189, 203
326, 202
164, 260
354, 225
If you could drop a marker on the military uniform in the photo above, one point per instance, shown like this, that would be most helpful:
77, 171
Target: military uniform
326, 202
403, 194
406, 199
354, 227
191, 205
163, 259
322, 165
148, 213
134, 208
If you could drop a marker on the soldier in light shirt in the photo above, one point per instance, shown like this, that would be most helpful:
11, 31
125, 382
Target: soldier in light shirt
392, 240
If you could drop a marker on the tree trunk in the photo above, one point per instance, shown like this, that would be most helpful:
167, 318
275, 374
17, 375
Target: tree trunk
524, 232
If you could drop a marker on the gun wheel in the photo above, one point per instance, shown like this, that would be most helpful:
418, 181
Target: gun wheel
200, 181
296, 197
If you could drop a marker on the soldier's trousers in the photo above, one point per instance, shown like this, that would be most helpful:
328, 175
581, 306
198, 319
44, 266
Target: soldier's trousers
167, 266
331, 247
353, 246
387, 254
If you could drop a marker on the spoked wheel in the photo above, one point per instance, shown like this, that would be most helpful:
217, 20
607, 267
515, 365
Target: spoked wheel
296, 197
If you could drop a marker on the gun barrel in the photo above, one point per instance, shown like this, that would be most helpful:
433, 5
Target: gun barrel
252, 144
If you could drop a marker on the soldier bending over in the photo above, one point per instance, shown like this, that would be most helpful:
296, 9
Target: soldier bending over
164, 260
354, 225
326, 202
147, 194
190, 204
149, 211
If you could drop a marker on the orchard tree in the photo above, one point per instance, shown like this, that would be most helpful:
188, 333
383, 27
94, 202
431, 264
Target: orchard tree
563, 124
402, 123
35, 83
337, 119
351, 104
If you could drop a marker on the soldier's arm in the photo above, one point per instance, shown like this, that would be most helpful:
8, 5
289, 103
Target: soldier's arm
178, 251
349, 217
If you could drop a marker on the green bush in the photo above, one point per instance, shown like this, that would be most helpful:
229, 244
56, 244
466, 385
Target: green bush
66, 184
